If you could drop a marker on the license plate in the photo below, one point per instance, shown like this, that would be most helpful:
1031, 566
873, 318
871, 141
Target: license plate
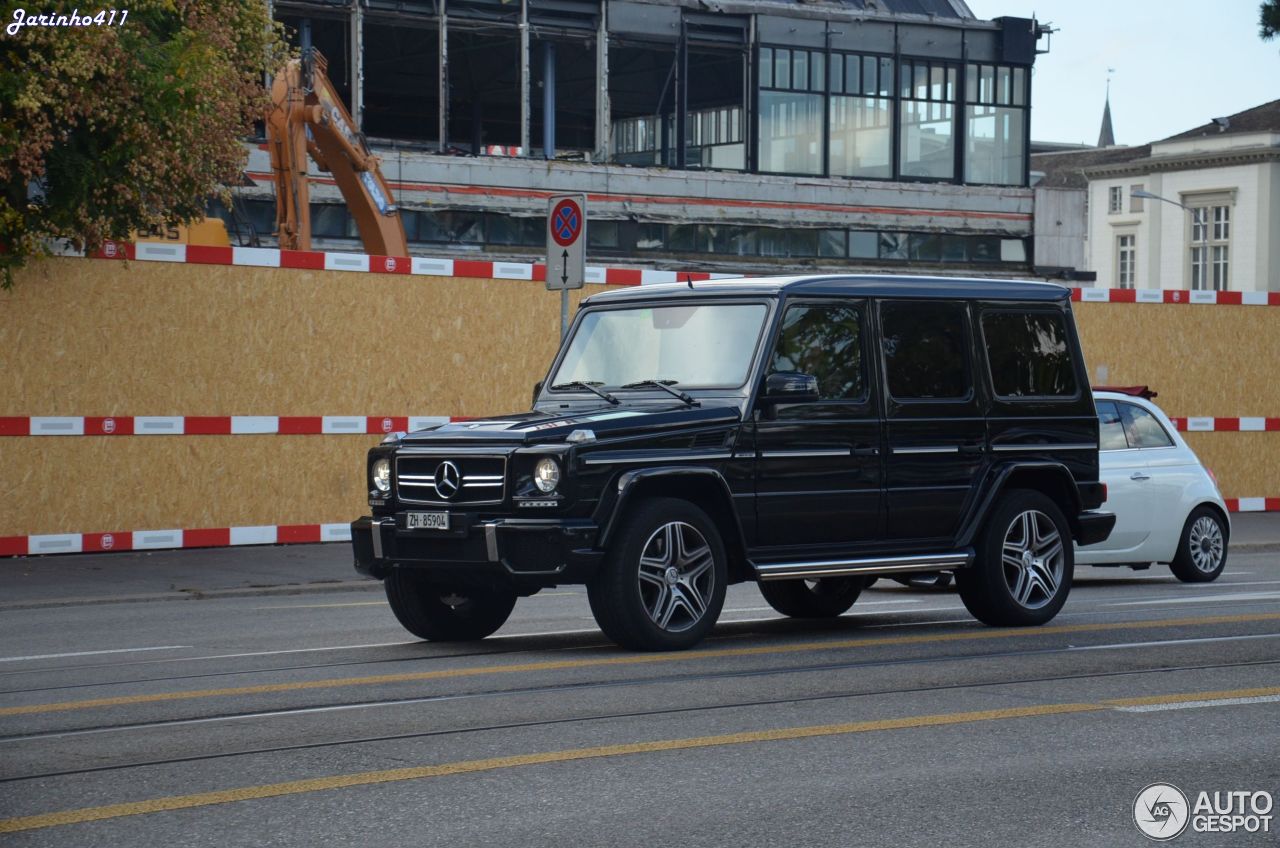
426, 521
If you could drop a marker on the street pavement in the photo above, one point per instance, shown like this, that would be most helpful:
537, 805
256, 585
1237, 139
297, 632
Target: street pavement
264, 696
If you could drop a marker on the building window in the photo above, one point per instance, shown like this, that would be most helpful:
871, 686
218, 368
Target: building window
927, 120
996, 124
1115, 200
791, 106
1135, 203
1126, 261
861, 116
1210, 247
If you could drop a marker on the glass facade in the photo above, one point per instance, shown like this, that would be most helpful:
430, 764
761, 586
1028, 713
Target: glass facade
927, 122
914, 119
995, 124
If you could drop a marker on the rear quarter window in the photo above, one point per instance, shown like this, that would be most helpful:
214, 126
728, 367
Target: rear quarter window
1029, 354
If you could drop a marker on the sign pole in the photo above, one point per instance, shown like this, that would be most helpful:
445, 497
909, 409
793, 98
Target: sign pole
564, 313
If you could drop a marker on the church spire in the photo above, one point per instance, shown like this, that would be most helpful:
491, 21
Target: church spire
1107, 136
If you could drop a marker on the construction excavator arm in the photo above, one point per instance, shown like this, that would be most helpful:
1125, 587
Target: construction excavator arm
307, 118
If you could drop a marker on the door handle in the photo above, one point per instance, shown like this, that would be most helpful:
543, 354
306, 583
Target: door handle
1138, 475
863, 450
971, 447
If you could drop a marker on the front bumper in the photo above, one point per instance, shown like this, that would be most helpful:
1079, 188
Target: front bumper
1093, 527
530, 550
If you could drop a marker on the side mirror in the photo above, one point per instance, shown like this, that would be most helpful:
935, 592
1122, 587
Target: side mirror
790, 387
537, 390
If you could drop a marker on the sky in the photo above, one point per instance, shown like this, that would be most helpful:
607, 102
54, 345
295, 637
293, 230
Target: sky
1177, 64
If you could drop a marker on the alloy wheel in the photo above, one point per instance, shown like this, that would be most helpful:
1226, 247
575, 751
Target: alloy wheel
1033, 559
676, 576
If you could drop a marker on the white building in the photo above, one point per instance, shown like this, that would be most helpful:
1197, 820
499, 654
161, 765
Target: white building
1216, 224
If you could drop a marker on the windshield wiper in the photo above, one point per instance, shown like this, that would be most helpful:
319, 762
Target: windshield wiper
591, 387
665, 385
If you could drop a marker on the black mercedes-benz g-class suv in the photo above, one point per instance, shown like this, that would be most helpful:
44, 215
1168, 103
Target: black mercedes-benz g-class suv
805, 433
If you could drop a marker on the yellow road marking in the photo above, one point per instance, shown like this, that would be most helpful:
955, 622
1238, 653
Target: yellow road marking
298, 787
1194, 696
369, 778
632, 659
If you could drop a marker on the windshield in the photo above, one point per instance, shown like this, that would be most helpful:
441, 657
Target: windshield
704, 346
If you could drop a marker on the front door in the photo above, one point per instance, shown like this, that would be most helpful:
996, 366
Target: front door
818, 464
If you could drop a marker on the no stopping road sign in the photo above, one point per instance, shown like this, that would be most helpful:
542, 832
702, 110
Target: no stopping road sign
566, 241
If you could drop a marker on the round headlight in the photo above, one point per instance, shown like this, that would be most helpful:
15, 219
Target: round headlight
546, 475
382, 475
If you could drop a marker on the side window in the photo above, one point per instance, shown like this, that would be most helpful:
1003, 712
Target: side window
1028, 354
1142, 429
924, 350
825, 342
1110, 427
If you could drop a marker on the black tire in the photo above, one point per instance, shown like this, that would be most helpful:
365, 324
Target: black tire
671, 601
442, 613
826, 597
1202, 548
926, 580
1027, 589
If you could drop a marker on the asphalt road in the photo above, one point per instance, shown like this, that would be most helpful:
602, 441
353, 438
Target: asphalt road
266, 719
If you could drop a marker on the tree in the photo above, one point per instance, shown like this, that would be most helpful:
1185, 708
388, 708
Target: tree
122, 122
1269, 19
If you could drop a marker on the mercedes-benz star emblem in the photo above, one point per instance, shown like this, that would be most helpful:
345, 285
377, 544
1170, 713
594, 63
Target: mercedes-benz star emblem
448, 480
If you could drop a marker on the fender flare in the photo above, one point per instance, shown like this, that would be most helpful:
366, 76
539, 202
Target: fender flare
998, 478
630, 482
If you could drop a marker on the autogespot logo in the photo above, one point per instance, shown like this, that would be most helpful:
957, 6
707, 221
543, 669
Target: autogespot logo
1160, 811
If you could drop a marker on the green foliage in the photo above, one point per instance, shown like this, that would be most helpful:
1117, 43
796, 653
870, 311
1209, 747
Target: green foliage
108, 129
1269, 19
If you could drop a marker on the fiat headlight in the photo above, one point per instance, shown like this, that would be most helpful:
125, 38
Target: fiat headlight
546, 475
382, 475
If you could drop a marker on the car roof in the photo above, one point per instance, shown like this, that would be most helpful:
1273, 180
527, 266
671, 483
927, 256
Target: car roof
849, 285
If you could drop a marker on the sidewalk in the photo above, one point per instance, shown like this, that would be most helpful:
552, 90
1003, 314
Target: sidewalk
52, 581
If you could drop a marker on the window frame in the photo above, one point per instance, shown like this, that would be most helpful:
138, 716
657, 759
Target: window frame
1122, 405
1215, 241
1121, 251
864, 341
1120, 416
986, 355
967, 344
1019, 98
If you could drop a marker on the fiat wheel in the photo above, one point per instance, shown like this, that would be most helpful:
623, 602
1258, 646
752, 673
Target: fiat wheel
1202, 548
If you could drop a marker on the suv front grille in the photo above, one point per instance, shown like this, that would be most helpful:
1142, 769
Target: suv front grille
479, 479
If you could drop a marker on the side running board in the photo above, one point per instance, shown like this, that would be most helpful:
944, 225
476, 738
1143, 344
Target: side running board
863, 566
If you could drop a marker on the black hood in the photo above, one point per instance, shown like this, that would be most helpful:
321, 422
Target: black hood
605, 420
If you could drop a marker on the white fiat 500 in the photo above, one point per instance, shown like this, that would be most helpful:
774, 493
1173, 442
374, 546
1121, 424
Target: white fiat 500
1167, 505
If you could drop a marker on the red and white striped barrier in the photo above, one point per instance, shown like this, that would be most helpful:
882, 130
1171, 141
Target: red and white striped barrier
1227, 425
1224, 298
155, 540
283, 534
496, 270
216, 425
313, 260
316, 425
1253, 504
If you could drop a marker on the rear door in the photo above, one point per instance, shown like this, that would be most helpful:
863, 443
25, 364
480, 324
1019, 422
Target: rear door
935, 422
818, 464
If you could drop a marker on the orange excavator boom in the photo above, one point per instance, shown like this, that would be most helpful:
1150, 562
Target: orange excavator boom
307, 118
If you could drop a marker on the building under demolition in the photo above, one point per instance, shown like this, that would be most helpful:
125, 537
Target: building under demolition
739, 134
